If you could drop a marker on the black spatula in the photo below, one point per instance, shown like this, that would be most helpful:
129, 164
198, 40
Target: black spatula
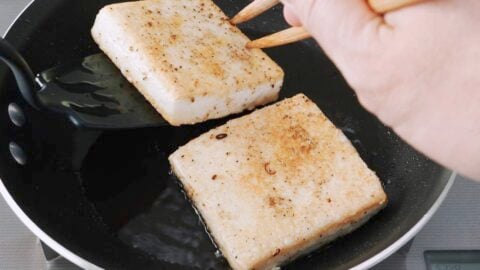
91, 92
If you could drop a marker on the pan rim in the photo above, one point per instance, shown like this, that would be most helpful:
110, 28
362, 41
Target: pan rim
79, 261
44, 237
85, 264
382, 255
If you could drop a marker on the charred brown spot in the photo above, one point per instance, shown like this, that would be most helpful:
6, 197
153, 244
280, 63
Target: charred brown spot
221, 136
329, 200
271, 201
149, 24
268, 169
277, 251
214, 177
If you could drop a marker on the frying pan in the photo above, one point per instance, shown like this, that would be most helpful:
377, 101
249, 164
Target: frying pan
120, 208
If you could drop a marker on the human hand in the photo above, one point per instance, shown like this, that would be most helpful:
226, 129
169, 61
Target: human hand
417, 69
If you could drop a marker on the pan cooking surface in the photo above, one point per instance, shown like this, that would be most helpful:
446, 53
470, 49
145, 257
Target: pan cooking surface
124, 210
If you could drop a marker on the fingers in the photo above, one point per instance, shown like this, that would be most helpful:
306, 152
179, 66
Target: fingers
352, 36
291, 17
324, 16
345, 29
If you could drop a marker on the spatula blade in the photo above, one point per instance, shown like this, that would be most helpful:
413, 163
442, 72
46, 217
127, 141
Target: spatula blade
94, 94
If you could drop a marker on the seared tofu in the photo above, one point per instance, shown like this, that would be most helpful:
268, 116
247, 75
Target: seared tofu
185, 57
277, 183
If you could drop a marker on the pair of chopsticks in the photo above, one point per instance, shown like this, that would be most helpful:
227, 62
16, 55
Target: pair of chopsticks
294, 34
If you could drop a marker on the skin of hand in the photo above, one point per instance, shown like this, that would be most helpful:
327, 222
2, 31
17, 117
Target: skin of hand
417, 69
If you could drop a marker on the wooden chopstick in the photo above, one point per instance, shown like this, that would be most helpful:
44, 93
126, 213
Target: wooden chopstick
283, 37
295, 34
254, 9
287, 36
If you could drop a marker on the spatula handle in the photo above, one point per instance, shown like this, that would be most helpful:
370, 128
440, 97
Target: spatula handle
22, 72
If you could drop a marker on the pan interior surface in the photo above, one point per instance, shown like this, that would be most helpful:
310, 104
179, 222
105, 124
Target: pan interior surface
124, 210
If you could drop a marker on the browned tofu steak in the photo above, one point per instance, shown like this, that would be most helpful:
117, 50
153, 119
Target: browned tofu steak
186, 58
277, 183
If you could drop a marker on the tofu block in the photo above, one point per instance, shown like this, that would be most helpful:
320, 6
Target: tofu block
277, 184
186, 58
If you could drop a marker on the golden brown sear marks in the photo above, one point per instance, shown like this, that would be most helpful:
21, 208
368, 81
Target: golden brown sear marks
193, 58
286, 181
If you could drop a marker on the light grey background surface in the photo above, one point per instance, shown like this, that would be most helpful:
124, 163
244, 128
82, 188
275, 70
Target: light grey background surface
455, 226
19, 249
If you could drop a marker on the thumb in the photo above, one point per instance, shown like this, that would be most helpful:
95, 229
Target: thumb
334, 23
291, 17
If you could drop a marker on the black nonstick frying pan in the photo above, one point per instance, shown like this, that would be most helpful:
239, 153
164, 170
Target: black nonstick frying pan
106, 199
